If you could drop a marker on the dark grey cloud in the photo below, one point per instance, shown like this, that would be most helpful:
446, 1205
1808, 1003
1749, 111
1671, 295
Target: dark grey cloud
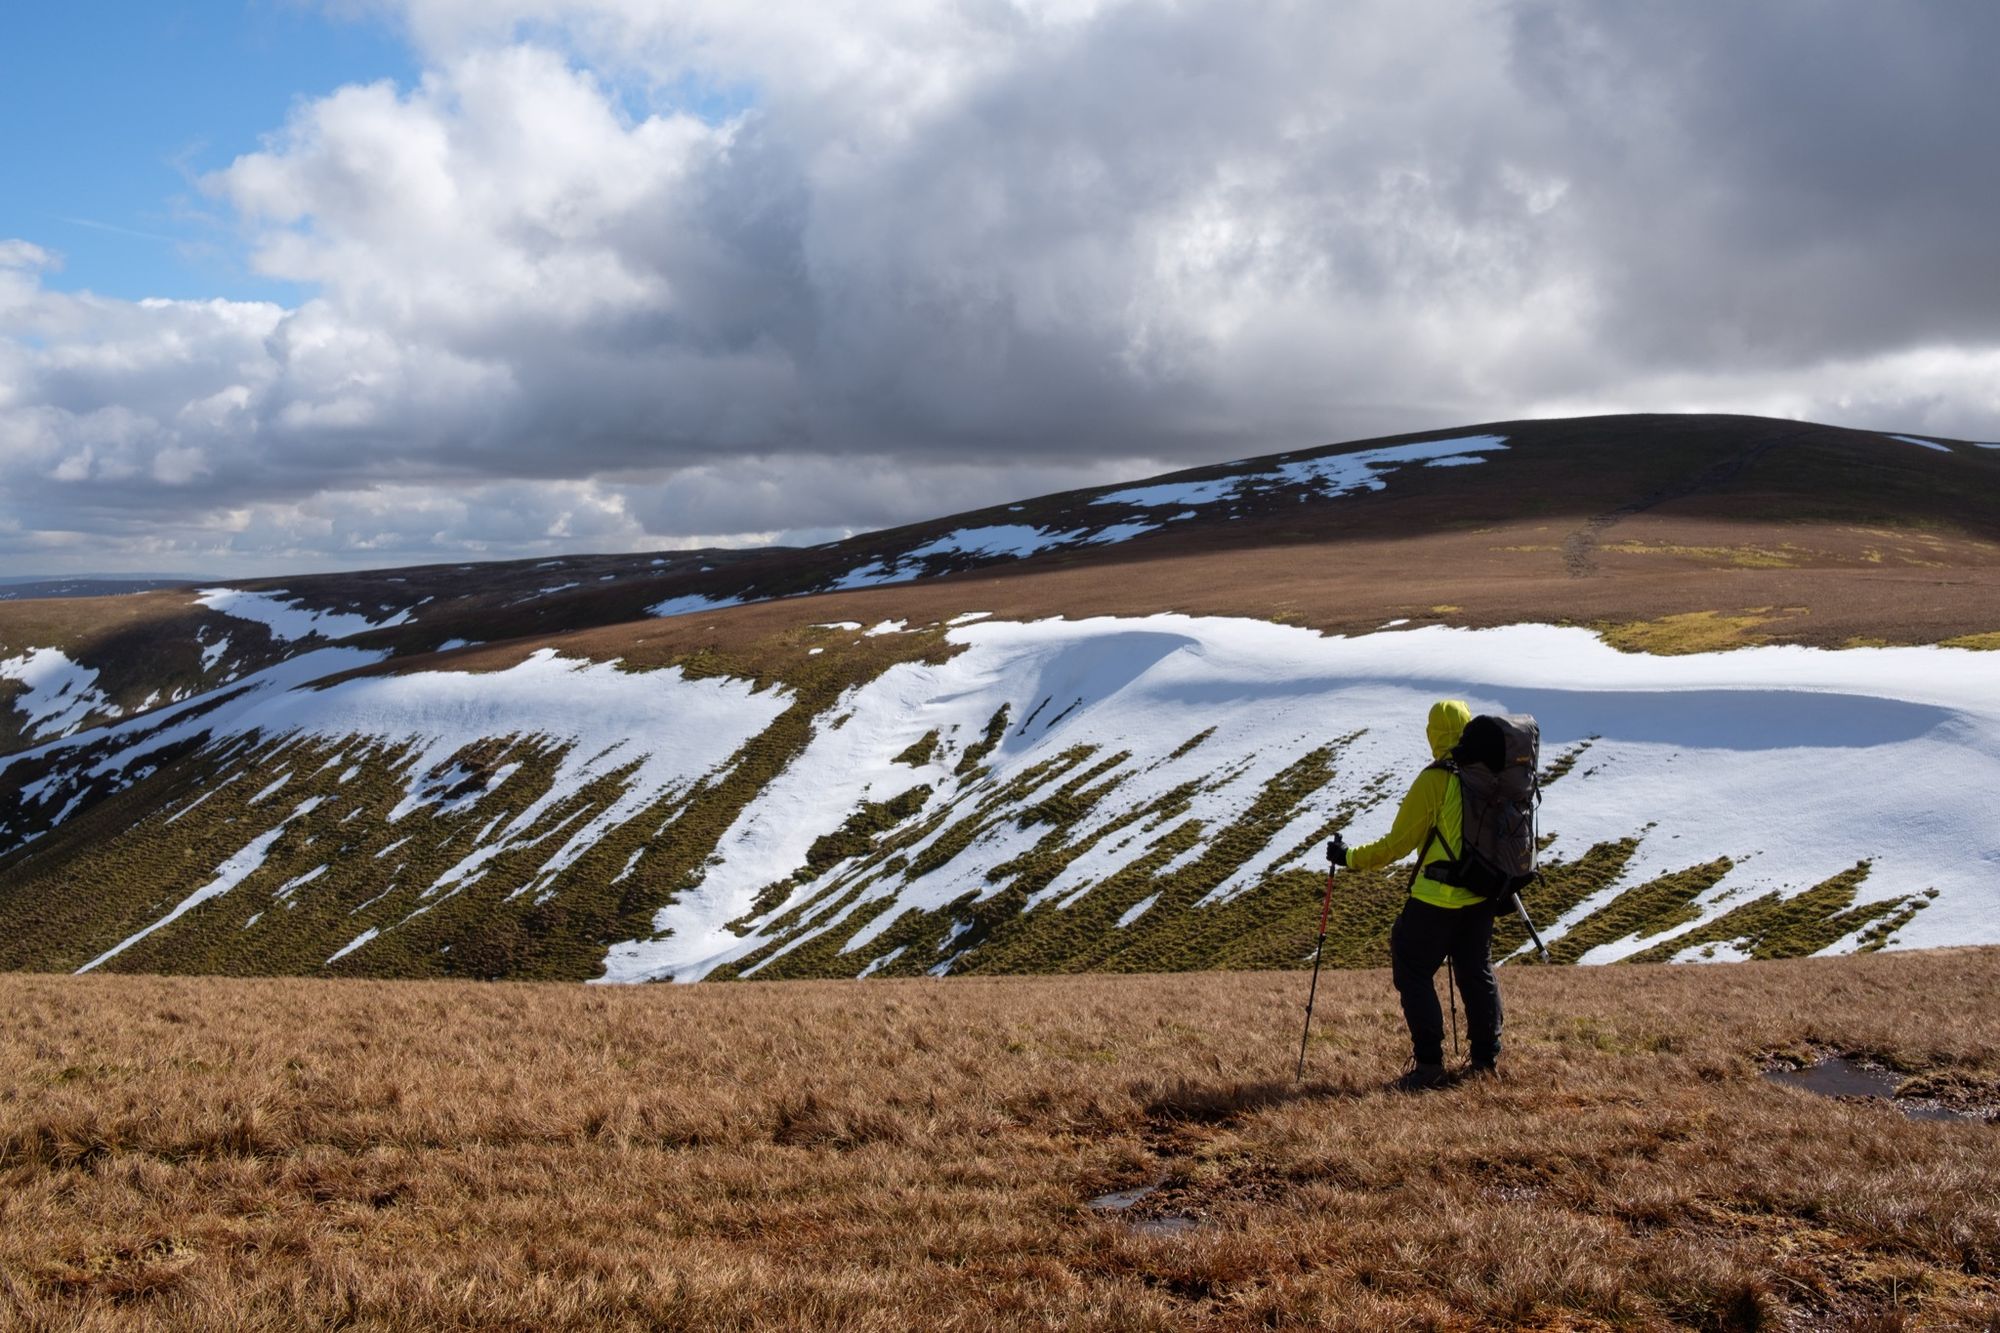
947, 255
1783, 182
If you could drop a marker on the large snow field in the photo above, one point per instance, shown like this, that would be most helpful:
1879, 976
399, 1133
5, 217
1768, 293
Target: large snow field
669, 731
664, 732
602, 719
1794, 762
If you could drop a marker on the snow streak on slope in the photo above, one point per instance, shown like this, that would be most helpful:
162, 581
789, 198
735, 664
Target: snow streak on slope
227, 876
1330, 474
1005, 541
1795, 763
292, 620
1326, 477
1928, 444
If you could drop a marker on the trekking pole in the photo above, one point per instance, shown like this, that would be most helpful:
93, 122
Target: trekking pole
1451, 990
1326, 906
1533, 934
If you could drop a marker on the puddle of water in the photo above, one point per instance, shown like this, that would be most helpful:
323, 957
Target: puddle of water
1837, 1076
1119, 1200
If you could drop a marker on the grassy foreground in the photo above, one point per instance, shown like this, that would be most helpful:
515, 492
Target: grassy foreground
225, 1154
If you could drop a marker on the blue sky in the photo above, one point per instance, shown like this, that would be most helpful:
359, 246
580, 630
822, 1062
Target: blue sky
110, 110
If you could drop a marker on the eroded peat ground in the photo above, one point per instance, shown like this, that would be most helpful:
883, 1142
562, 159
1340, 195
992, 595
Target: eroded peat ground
226, 1154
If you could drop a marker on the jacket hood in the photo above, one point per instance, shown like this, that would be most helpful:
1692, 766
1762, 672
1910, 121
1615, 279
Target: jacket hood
1446, 725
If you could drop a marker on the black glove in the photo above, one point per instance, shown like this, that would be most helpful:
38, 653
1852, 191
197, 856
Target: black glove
1336, 853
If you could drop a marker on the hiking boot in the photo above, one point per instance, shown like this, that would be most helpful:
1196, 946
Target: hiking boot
1483, 1069
1422, 1078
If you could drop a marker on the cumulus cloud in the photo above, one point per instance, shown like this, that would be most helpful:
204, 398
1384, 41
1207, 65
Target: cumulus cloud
618, 274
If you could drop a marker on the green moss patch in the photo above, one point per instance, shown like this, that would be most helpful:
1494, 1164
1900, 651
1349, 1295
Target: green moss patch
1774, 926
919, 752
975, 754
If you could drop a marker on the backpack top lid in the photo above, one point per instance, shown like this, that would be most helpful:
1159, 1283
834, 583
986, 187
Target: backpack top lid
1498, 741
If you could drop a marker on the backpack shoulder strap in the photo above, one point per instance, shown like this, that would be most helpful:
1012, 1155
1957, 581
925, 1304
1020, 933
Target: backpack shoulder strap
1444, 764
1422, 852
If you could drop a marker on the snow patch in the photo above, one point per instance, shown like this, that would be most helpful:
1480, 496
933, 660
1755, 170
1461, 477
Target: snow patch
227, 876
670, 731
60, 695
681, 606
1118, 532
1137, 910
1001, 541
1331, 474
882, 962
1695, 742
544, 592
283, 778
285, 890
874, 574
351, 946
1015, 540
292, 620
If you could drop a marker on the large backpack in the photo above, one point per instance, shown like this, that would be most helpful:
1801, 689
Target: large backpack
1497, 761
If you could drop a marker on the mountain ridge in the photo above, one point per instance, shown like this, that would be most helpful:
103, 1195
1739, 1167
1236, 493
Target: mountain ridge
527, 848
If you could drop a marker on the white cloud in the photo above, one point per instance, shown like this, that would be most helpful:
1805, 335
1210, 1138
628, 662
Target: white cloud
621, 273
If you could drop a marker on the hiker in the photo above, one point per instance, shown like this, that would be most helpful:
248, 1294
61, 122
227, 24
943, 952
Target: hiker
1438, 920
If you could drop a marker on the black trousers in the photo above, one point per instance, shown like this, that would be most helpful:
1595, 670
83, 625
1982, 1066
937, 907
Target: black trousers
1422, 938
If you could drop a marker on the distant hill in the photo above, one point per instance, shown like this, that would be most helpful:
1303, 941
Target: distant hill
1106, 729
20, 589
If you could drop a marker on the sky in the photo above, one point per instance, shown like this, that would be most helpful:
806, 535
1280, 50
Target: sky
312, 284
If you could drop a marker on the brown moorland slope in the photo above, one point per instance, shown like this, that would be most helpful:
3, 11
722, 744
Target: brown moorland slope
204, 1153
1671, 533
1667, 533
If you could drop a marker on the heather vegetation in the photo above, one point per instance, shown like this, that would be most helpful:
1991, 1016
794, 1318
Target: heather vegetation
339, 866
365, 866
1007, 821
179, 1153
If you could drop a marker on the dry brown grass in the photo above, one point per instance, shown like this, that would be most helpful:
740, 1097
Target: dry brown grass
201, 1153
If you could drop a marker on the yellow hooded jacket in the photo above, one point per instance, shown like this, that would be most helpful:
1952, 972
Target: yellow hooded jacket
1433, 802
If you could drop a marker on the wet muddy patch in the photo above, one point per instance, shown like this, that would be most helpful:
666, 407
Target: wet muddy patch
1139, 1208
1936, 1095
